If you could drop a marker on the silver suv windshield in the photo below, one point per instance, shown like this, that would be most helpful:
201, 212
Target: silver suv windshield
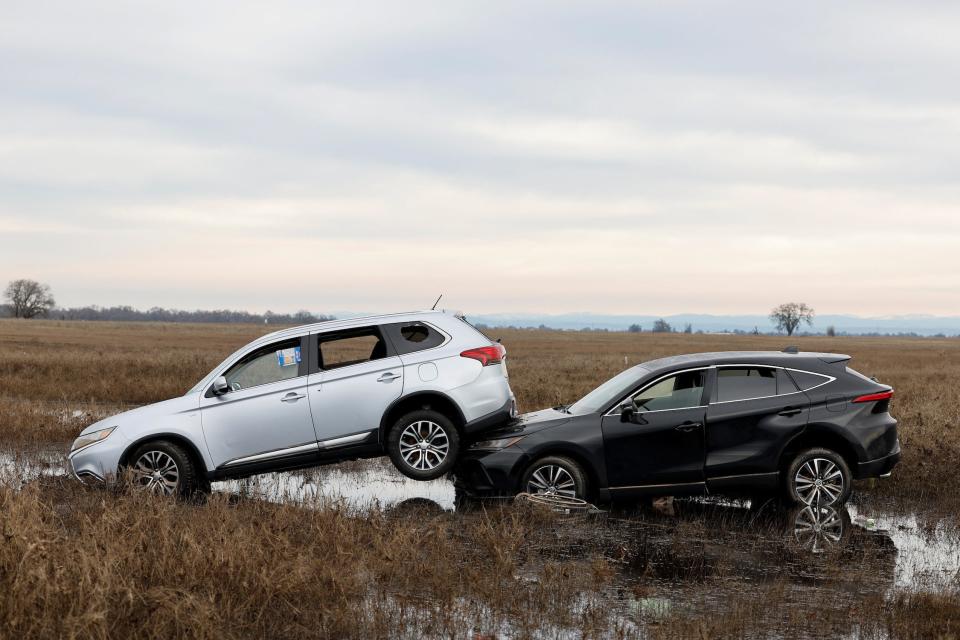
611, 390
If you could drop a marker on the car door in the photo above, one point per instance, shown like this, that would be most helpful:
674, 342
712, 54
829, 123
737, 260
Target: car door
753, 411
265, 414
356, 378
661, 448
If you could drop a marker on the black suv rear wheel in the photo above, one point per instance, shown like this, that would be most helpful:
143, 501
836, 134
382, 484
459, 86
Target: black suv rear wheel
819, 477
423, 444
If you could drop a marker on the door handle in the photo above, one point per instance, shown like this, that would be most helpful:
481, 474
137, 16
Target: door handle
389, 376
688, 426
790, 411
293, 396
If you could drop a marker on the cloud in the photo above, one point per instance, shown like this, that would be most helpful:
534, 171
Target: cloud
610, 156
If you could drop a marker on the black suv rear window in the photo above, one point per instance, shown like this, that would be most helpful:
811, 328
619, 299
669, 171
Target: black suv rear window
408, 337
808, 380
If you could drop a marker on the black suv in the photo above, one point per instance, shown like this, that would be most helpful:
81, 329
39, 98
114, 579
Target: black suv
731, 422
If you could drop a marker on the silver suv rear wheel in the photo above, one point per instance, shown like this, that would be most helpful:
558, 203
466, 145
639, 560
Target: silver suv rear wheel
423, 444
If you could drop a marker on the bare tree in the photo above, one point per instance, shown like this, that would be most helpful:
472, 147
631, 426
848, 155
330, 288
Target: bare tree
662, 326
787, 317
29, 298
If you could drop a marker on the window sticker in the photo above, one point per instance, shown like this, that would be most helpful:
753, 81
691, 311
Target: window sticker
288, 357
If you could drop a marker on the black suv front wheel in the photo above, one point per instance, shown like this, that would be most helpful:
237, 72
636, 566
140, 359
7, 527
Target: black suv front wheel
423, 444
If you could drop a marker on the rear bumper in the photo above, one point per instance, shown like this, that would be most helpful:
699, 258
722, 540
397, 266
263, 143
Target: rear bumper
493, 419
881, 466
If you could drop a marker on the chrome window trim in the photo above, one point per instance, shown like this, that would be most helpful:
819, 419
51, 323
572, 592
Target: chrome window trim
650, 384
770, 366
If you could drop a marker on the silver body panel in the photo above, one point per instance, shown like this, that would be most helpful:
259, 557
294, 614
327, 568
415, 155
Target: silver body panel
319, 411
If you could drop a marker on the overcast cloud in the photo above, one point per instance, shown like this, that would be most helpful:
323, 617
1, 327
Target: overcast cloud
610, 157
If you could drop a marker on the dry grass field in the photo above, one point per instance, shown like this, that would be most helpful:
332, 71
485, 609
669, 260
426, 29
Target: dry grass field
88, 562
50, 370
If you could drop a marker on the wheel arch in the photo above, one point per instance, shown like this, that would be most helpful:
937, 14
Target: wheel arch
821, 436
175, 438
575, 453
435, 400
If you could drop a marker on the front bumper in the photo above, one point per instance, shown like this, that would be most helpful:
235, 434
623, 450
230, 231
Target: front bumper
99, 462
486, 472
881, 466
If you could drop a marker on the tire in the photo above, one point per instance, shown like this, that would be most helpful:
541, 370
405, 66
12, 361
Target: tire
822, 465
165, 468
556, 475
423, 444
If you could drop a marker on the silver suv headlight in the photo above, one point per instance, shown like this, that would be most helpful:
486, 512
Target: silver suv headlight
88, 439
501, 443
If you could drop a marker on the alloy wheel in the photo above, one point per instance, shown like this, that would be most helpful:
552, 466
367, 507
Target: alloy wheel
157, 472
424, 445
818, 527
819, 481
552, 479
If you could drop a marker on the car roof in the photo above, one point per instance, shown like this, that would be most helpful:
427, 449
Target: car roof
771, 358
347, 323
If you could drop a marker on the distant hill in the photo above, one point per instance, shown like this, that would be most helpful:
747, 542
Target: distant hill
924, 325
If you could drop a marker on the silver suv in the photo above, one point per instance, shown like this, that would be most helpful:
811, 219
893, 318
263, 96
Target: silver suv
411, 385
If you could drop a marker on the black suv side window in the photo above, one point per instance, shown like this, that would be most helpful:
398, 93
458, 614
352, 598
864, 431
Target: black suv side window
744, 383
682, 391
408, 337
785, 383
807, 380
353, 346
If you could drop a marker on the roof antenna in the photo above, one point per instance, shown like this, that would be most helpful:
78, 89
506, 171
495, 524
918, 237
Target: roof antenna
434, 307
792, 349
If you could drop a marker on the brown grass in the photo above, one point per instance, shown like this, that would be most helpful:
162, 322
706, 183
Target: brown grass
49, 370
90, 563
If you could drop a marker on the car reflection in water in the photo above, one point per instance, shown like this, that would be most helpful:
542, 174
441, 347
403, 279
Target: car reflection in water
685, 541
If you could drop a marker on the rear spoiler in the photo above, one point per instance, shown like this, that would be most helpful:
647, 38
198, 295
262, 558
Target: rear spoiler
833, 358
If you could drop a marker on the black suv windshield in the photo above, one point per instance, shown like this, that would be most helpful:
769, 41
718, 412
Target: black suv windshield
609, 391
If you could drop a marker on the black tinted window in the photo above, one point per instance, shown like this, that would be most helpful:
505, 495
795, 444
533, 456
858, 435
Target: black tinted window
681, 391
785, 383
807, 380
408, 337
743, 383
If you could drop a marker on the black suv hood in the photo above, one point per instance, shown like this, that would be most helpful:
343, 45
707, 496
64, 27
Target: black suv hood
530, 423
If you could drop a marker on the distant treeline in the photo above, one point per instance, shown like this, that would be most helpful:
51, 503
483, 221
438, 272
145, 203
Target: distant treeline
157, 314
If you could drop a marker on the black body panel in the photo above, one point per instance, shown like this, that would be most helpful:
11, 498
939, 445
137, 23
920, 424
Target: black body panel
724, 446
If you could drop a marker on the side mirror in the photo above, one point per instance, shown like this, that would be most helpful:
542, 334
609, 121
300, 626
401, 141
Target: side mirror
627, 410
220, 386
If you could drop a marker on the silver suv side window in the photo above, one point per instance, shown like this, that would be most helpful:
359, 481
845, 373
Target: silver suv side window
408, 337
682, 391
273, 363
354, 346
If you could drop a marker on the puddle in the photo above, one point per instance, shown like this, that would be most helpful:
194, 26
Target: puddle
675, 545
361, 487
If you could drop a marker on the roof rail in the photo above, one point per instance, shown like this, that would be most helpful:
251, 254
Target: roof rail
792, 349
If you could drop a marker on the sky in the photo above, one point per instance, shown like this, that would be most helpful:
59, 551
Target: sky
610, 157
